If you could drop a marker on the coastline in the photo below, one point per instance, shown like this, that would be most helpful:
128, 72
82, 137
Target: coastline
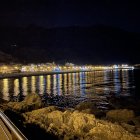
28, 74
84, 121
67, 108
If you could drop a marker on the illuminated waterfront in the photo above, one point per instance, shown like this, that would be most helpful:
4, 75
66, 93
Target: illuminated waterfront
52, 67
82, 84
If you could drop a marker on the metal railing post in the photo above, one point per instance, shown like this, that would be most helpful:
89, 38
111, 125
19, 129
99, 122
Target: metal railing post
15, 132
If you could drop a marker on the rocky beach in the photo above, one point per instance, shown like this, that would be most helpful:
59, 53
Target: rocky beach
100, 118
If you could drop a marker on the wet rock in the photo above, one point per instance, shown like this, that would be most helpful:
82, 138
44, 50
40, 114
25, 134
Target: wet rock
120, 115
31, 101
129, 128
87, 111
77, 125
2, 101
67, 115
109, 131
90, 108
32, 98
3, 107
85, 105
131, 123
114, 102
136, 121
81, 122
55, 117
3, 104
138, 131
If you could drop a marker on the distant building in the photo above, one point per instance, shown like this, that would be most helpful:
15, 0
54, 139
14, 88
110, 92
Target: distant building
69, 64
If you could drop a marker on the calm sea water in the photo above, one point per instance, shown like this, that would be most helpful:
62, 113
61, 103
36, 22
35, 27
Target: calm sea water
83, 84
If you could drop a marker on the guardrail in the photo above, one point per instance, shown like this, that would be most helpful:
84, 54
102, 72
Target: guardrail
14, 131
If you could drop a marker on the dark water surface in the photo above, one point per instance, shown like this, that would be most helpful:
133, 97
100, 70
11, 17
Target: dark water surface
83, 84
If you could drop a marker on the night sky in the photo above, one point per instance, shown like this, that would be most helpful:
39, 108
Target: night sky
53, 14
60, 13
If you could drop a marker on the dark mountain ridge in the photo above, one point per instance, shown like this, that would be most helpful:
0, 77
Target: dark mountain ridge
6, 58
81, 45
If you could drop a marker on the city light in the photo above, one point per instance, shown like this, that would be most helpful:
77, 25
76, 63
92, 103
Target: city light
52, 67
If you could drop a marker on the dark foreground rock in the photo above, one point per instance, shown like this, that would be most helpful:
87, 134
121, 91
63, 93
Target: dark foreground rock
3, 104
122, 115
74, 124
90, 108
31, 102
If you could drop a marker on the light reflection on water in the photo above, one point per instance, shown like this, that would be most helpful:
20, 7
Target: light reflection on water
83, 84
24, 86
48, 87
33, 84
5, 89
16, 87
41, 85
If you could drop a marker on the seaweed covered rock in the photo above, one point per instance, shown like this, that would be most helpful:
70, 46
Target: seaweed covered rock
90, 108
128, 127
31, 101
55, 117
120, 115
76, 125
81, 122
136, 121
85, 105
108, 131
3, 104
